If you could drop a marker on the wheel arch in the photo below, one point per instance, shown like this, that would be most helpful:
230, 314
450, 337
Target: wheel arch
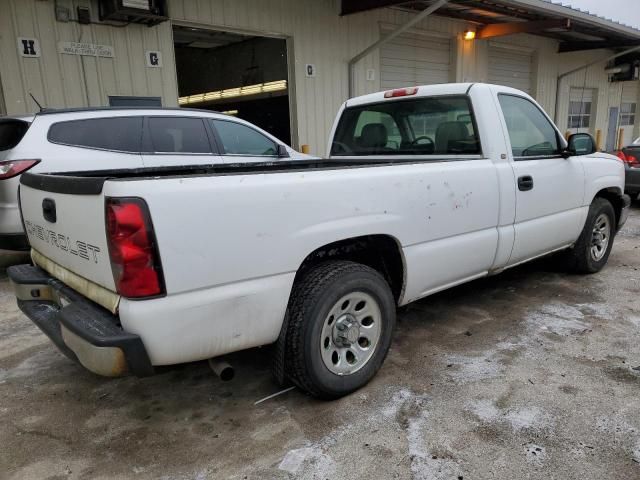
381, 252
614, 196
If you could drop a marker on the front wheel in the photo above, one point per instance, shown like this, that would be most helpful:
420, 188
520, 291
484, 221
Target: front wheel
591, 252
341, 319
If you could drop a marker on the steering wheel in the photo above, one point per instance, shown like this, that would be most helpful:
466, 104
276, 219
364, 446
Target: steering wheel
424, 137
345, 148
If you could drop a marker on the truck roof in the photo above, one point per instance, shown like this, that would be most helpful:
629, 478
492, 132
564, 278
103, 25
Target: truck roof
423, 91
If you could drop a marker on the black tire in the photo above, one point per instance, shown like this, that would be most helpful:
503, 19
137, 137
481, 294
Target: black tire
579, 259
312, 299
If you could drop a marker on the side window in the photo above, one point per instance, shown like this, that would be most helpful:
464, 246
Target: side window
178, 135
530, 132
122, 134
421, 126
238, 139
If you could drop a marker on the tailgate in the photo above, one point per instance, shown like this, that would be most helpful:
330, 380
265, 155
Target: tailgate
68, 228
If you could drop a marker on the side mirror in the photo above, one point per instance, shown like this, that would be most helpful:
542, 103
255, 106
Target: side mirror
581, 144
282, 151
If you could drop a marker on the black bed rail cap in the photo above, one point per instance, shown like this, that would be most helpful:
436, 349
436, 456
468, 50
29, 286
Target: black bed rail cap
64, 183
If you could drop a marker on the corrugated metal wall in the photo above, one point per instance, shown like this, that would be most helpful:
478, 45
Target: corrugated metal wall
316, 35
58, 80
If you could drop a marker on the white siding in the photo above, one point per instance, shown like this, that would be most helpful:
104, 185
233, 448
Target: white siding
511, 67
630, 93
415, 58
58, 80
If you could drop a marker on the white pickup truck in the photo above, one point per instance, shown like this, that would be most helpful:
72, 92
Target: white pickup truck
424, 188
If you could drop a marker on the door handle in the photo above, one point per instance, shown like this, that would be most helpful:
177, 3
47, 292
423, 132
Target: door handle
525, 183
49, 210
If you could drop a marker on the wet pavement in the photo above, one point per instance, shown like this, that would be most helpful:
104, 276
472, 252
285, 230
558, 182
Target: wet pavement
533, 373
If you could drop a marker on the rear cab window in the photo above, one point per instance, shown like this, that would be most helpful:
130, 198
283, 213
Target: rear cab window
11, 132
419, 126
120, 134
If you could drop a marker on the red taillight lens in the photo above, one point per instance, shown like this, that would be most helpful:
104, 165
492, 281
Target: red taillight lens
401, 92
632, 160
13, 168
132, 248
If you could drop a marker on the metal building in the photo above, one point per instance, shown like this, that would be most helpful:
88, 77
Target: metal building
287, 65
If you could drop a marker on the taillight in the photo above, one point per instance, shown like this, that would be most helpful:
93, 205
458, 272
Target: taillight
632, 160
132, 248
401, 92
13, 168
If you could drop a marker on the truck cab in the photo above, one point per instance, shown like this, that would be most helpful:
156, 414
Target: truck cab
540, 181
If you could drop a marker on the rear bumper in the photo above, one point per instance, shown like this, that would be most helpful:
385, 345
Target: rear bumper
15, 242
82, 330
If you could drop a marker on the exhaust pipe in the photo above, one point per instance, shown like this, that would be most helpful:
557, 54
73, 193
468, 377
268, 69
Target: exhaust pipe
222, 369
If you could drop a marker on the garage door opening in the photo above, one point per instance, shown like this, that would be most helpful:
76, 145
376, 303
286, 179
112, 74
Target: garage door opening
241, 75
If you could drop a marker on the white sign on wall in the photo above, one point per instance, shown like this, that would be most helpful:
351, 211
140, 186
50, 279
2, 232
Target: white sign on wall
88, 49
28, 47
310, 70
154, 59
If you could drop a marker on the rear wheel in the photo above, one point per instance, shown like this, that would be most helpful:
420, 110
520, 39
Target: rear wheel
591, 252
340, 321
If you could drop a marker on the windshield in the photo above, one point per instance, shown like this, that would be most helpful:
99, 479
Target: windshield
421, 126
637, 142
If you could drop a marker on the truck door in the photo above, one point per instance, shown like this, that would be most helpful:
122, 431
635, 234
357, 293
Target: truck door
549, 188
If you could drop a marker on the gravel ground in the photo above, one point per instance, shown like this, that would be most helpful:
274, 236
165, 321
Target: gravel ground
530, 374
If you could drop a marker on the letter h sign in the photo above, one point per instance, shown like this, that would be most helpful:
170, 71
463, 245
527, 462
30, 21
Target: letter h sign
28, 47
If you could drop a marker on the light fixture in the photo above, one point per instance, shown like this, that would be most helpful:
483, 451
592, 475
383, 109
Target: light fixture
234, 92
470, 35
230, 112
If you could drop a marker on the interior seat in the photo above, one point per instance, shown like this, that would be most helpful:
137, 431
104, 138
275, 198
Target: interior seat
447, 134
374, 136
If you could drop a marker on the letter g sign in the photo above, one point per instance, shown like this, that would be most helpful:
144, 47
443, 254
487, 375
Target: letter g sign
154, 59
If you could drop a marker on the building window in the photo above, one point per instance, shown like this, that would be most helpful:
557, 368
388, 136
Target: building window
581, 108
627, 114
580, 114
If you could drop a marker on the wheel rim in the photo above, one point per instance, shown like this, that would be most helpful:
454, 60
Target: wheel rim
600, 237
350, 333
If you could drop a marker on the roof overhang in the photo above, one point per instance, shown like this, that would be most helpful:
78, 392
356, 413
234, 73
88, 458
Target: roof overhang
574, 29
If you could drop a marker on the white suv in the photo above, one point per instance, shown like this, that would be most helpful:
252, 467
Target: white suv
106, 138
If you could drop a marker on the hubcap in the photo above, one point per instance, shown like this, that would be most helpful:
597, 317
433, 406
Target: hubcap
350, 333
600, 237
